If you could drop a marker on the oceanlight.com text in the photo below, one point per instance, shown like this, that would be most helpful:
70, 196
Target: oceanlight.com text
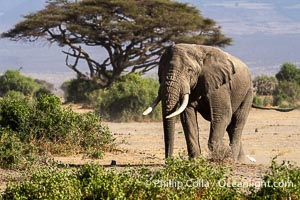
201, 183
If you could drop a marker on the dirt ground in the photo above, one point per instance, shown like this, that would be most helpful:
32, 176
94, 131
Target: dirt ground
267, 134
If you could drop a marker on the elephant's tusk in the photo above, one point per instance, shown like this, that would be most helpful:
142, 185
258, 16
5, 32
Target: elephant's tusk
154, 103
181, 108
148, 111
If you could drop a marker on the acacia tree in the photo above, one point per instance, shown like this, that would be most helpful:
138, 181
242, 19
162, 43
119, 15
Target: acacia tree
133, 33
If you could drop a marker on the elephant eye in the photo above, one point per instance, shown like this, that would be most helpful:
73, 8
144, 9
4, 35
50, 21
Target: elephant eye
190, 71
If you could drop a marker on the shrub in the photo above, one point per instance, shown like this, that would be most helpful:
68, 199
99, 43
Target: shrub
257, 100
127, 99
11, 149
77, 90
14, 95
67, 131
265, 85
288, 91
15, 114
46, 183
268, 101
14, 80
178, 179
289, 72
42, 122
281, 182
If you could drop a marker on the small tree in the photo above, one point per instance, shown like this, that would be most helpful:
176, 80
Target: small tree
289, 85
289, 72
131, 32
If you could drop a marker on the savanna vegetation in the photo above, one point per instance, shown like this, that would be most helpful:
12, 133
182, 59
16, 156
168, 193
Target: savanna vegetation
34, 123
281, 90
177, 179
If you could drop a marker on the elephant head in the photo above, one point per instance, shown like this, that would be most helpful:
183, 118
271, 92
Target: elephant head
181, 68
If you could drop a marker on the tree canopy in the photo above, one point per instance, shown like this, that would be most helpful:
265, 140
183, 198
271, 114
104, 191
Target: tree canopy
132, 33
289, 72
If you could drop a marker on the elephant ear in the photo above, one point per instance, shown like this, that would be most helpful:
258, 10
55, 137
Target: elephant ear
218, 69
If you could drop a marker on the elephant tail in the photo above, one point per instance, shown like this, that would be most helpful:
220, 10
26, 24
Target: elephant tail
277, 109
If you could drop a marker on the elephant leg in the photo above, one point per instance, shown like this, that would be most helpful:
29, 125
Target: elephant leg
236, 127
191, 131
221, 113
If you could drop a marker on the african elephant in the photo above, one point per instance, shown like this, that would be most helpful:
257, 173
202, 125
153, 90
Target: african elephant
204, 79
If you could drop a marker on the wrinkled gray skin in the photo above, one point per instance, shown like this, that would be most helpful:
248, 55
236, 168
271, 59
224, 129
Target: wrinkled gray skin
219, 87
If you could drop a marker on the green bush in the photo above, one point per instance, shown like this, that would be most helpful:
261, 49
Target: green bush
77, 90
44, 123
15, 95
288, 91
289, 72
285, 90
258, 100
46, 183
15, 114
281, 182
11, 149
127, 98
14, 80
67, 130
265, 85
178, 179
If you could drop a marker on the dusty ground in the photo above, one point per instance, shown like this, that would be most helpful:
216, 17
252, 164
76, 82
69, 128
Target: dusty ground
267, 134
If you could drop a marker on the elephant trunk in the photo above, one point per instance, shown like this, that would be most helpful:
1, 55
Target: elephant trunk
169, 106
171, 94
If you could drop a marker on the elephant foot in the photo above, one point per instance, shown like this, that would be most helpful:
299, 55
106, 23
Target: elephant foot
194, 157
238, 154
220, 153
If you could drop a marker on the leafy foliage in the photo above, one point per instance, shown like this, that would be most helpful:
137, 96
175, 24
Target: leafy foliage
46, 183
283, 91
289, 85
257, 100
289, 92
15, 114
177, 180
13, 80
289, 72
281, 182
126, 99
43, 123
78, 90
132, 32
265, 85
11, 149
